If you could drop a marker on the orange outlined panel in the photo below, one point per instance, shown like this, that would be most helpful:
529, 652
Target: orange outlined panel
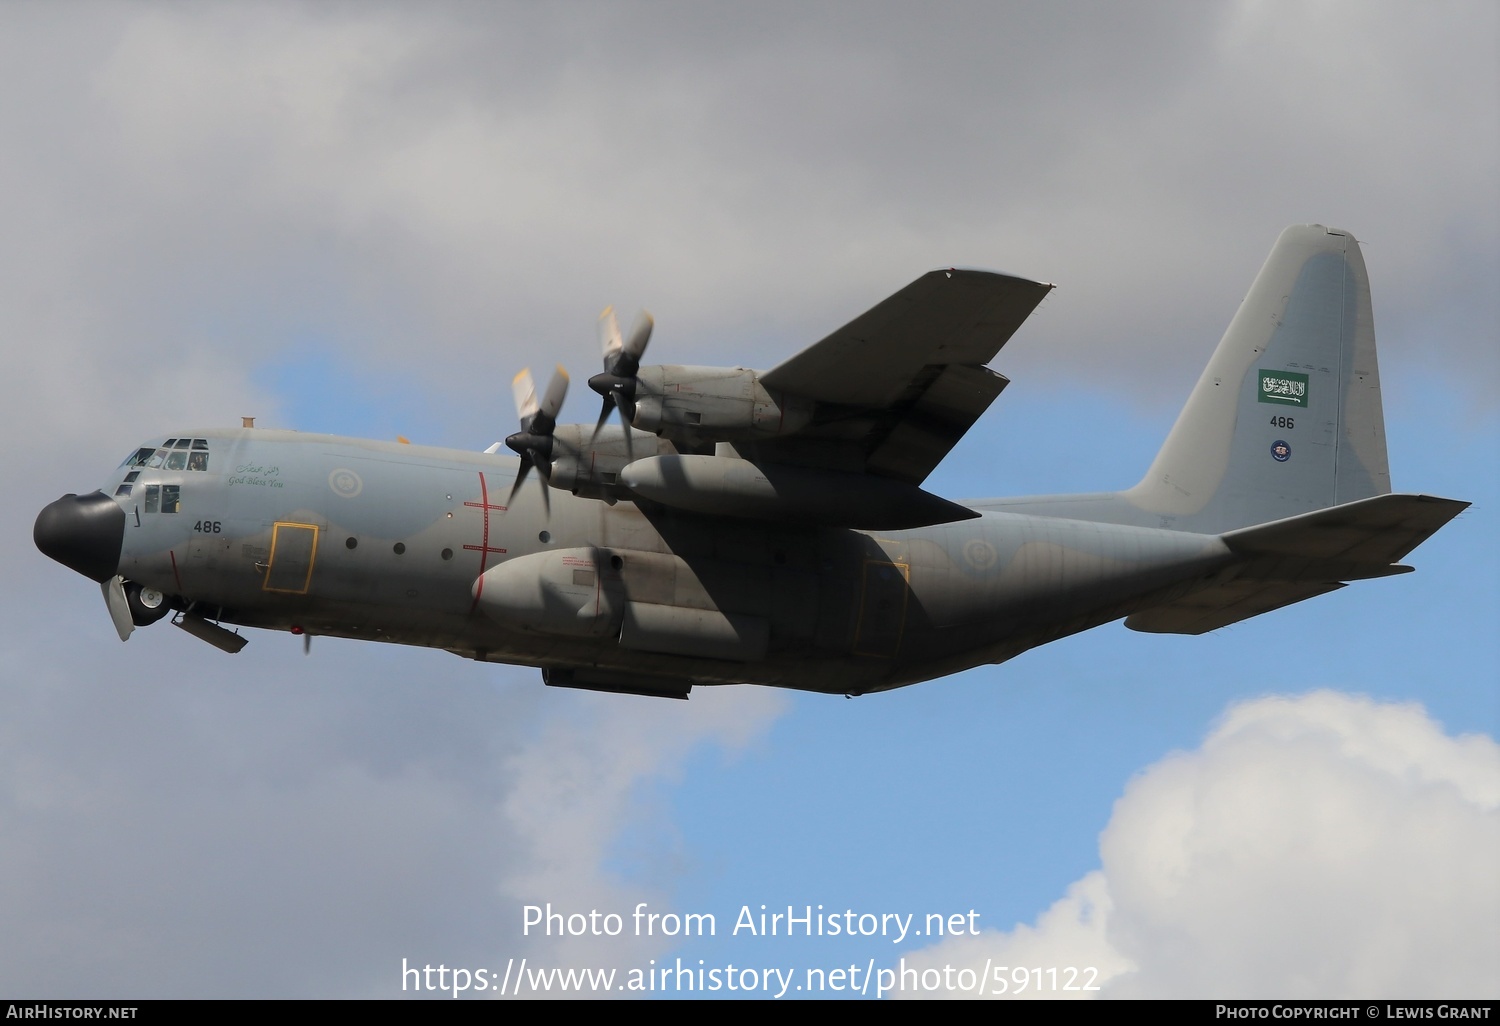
294, 548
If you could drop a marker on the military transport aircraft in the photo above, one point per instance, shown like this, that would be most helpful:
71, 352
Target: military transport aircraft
741, 526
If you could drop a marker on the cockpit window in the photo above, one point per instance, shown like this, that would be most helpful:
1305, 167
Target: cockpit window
173, 454
163, 498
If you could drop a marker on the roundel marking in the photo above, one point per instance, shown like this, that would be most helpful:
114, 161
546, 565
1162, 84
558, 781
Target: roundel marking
1280, 451
979, 554
345, 483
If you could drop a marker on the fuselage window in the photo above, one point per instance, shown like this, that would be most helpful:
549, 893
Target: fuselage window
200, 443
156, 459
139, 457
182, 443
124, 489
132, 476
153, 498
177, 460
198, 461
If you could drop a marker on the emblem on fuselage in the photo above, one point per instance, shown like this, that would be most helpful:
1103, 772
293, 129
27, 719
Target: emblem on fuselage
979, 554
345, 483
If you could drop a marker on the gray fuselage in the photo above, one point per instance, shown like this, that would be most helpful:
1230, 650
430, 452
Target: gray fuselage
416, 545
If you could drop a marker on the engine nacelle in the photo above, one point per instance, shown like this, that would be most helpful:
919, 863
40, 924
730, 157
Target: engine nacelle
650, 601
561, 592
589, 466
710, 404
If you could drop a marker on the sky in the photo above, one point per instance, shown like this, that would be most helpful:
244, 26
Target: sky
364, 218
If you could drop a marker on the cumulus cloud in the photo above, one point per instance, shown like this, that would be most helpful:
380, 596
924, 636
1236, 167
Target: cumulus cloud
1321, 846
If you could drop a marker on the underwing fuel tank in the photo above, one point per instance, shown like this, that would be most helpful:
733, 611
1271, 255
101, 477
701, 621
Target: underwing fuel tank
725, 486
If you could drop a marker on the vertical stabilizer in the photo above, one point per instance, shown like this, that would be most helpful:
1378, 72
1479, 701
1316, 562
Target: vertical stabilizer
1287, 417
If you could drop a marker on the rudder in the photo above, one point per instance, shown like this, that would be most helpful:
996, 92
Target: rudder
1287, 416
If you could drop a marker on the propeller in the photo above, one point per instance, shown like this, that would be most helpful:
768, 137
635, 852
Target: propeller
533, 443
622, 359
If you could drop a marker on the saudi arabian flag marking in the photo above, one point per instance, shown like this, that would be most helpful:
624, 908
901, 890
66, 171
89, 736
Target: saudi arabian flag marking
1285, 388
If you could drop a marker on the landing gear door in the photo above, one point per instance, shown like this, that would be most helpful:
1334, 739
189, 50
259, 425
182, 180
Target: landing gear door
882, 609
294, 548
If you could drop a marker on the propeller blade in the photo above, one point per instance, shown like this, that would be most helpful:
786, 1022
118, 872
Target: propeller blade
610, 342
609, 404
544, 473
557, 391
119, 608
635, 345
524, 389
520, 476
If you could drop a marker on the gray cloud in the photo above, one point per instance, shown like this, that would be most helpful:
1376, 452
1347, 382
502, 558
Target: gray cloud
176, 825
487, 177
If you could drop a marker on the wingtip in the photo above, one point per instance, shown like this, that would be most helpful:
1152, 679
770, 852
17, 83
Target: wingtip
985, 272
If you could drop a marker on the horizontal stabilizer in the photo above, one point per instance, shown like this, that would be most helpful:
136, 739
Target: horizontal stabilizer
1223, 604
1381, 530
1301, 557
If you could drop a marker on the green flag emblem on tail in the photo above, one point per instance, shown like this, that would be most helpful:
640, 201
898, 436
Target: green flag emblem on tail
1286, 388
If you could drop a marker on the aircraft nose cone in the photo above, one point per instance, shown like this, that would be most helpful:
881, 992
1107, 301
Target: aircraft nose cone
83, 533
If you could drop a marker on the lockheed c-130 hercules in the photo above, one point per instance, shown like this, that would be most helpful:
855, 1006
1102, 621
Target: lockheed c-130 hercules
741, 526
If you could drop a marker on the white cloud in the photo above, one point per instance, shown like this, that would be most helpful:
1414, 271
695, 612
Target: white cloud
1321, 846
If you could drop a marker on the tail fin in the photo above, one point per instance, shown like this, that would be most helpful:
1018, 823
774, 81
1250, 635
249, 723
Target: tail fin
1287, 417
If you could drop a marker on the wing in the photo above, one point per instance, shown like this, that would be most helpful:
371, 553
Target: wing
899, 385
